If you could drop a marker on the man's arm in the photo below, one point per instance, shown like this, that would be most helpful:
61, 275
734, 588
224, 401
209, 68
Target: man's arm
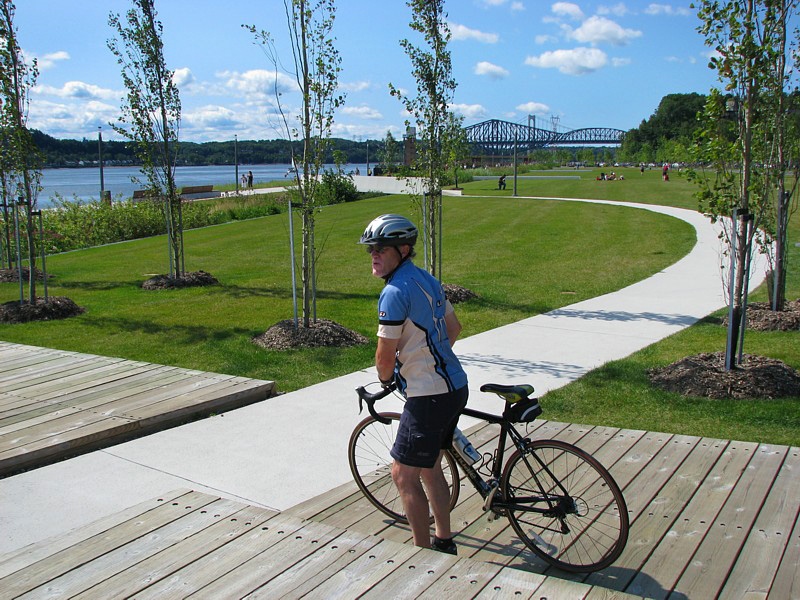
385, 358
453, 327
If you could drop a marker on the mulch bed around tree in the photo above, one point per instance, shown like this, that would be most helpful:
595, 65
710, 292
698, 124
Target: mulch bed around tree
705, 375
761, 318
56, 307
323, 333
456, 293
9, 275
165, 282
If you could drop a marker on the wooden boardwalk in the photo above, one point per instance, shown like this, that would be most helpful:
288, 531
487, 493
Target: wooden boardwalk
55, 404
709, 518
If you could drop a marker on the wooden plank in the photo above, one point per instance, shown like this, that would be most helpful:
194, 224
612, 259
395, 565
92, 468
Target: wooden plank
191, 525
204, 571
660, 515
300, 578
264, 566
37, 411
102, 375
758, 562
511, 583
709, 567
165, 563
39, 375
42, 571
659, 574
27, 555
364, 572
413, 577
786, 585
463, 580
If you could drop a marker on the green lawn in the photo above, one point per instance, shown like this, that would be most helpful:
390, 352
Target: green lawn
619, 393
521, 256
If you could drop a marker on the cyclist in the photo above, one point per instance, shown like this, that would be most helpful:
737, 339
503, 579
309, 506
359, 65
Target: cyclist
417, 327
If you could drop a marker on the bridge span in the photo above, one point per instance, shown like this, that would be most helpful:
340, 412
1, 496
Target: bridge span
496, 137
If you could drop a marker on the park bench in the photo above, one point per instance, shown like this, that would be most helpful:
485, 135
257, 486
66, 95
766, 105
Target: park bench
196, 189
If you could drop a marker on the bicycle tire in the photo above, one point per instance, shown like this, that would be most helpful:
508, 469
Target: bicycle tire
371, 466
598, 527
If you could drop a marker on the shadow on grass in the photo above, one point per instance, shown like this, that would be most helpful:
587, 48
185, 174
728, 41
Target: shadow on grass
242, 291
179, 333
97, 286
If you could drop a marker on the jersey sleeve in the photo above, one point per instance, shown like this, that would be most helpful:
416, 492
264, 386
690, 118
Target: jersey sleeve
392, 313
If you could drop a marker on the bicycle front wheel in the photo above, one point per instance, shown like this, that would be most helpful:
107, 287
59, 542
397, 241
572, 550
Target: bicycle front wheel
371, 465
585, 526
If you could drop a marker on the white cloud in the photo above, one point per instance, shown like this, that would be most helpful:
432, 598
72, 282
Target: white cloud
491, 70
596, 30
494, 2
258, 83
71, 119
674, 59
183, 77
666, 9
567, 9
462, 32
534, 108
356, 86
577, 61
619, 10
543, 39
620, 62
517, 6
48, 61
362, 112
469, 111
209, 117
78, 90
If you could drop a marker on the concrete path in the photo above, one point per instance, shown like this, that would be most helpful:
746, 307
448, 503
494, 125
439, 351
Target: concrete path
282, 451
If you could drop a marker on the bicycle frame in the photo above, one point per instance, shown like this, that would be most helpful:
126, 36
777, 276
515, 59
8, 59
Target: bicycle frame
487, 489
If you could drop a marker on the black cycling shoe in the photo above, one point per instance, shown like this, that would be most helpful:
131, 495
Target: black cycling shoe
447, 546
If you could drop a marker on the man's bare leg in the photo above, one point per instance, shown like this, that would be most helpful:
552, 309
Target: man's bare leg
439, 498
415, 502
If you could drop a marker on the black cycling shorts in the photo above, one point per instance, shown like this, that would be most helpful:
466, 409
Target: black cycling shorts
426, 427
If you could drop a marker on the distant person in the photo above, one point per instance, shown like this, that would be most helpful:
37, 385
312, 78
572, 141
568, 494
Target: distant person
357, 171
244, 180
501, 183
249, 179
641, 169
665, 172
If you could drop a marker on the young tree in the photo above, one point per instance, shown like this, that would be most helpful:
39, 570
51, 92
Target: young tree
458, 145
742, 131
432, 70
20, 160
316, 73
151, 113
390, 154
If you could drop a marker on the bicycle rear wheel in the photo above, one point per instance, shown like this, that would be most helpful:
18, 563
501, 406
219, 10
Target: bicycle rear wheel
371, 465
588, 528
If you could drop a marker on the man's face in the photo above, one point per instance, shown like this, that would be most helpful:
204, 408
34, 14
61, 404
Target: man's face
385, 258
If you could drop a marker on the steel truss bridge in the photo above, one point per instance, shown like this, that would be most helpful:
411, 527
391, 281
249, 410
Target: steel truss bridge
496, 137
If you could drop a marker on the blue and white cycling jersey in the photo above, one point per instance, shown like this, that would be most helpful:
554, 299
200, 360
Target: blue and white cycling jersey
412, 309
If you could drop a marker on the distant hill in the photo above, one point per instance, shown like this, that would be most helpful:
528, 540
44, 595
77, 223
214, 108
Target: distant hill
80, 153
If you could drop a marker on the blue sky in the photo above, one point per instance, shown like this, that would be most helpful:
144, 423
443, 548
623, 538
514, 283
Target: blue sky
584, 64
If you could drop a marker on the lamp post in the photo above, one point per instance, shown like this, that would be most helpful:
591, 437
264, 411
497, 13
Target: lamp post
100, 156
367, 156
236, 159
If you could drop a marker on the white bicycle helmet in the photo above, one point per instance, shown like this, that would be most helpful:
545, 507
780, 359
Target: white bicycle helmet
390, 230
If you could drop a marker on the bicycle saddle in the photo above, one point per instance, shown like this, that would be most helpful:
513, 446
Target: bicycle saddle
510, 393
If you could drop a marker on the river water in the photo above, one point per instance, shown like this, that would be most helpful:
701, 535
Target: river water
84, 183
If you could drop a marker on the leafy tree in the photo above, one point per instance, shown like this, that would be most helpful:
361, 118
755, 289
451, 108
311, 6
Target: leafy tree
586, 156
458, 148
151, 113
316, 72
390, 154
743, 130
20, 160
432, 70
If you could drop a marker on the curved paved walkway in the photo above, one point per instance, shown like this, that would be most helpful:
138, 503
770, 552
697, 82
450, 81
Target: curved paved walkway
255, 454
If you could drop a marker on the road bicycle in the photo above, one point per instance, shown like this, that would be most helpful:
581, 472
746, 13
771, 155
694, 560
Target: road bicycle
561, 502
